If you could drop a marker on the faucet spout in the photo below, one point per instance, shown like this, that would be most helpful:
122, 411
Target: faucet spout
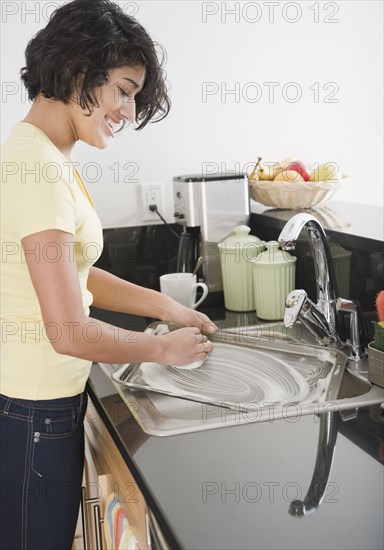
325, 454
326, 284
325, 276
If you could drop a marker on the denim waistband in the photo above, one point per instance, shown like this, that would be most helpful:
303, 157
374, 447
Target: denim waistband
60, 403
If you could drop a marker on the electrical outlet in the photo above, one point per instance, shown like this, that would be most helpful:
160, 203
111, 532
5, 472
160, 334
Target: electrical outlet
151, 195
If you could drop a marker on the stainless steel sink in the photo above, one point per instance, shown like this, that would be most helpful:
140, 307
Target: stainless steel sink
257, 373
353, 386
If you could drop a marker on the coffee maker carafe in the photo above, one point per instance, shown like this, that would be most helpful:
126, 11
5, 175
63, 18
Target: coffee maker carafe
208, 207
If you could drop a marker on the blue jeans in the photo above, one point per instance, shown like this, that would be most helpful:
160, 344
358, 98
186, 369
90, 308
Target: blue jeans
41, 468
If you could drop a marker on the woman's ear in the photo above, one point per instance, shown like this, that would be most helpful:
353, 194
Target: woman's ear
87, 101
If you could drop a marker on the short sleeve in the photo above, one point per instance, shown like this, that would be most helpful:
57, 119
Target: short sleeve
45, 206
39, 197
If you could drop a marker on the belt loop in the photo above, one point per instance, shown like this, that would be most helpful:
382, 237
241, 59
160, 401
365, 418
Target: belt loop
8, 405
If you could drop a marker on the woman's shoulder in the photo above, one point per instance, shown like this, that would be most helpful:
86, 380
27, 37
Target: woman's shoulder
28, 154
27, 142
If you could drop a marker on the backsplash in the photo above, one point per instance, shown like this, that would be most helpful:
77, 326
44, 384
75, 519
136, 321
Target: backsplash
142, 254
358, 261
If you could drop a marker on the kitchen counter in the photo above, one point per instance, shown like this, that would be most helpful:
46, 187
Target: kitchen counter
231, 487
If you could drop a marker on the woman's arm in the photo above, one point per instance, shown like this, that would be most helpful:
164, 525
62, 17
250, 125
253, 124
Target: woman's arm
115, 294
58, 291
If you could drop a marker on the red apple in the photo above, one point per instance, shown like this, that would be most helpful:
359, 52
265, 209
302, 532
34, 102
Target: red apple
299, 167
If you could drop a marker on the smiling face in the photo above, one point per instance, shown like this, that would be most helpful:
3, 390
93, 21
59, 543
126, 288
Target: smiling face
116, 101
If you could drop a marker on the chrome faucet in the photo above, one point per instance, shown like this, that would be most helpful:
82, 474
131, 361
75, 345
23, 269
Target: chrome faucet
324, 458
322, 318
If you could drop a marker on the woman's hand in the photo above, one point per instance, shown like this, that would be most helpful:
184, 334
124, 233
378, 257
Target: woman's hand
189, 344
184, 346
187, 317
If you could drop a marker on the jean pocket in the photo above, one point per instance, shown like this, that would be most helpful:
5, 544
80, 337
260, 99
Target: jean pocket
56, 422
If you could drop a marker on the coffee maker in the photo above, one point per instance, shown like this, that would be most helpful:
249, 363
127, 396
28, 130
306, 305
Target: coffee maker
208, 207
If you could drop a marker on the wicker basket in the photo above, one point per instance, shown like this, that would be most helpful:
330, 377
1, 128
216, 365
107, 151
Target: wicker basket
376, 366
295, 195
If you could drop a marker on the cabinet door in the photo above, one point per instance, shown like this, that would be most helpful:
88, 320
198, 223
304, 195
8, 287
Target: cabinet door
90, 512
112, 476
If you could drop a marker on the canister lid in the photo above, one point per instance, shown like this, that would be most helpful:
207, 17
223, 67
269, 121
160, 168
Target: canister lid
273, 255
239, 238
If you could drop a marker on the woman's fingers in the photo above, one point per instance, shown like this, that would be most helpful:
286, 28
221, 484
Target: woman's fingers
206, 346
187, 345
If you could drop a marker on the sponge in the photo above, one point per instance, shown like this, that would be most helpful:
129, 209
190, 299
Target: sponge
190, 366
380, 307
379, 327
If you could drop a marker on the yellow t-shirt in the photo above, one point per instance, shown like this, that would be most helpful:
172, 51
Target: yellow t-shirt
40, 190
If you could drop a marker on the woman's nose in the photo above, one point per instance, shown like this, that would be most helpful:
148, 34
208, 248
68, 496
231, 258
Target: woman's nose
128, 110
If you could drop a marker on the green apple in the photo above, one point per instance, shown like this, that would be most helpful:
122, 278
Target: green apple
328, 171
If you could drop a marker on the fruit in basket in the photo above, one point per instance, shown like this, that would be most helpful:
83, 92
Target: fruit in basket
328, 171
253, 176
268, 171
299, 167
291, 170
284, 163
291, 176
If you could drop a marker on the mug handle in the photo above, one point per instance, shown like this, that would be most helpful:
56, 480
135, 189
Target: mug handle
205, 293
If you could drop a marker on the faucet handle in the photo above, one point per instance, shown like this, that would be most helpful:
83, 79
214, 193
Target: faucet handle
298, 305
358, 327
293, 304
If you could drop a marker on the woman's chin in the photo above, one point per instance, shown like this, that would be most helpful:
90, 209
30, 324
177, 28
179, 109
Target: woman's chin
103, 145
100, 143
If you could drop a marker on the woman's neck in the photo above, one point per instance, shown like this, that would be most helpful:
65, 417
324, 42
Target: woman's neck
53, 118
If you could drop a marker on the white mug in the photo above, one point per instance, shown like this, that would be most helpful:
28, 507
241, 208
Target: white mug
182, 287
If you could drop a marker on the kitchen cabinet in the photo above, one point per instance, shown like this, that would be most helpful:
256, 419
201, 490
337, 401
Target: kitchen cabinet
105, 474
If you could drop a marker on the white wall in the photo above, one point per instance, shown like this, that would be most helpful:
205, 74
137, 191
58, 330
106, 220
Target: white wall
338, 45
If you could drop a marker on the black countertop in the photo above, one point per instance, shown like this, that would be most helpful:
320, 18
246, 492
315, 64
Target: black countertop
231, 487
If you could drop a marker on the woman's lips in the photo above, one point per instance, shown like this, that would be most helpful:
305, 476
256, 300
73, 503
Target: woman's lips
110, 125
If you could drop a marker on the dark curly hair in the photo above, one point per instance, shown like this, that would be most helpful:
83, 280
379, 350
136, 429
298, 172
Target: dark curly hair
89, 38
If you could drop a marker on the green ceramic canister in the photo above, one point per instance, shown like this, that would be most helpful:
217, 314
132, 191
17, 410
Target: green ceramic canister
236, 254
273, 278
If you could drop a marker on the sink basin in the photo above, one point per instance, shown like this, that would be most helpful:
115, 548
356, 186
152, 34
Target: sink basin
258, 373
353, 386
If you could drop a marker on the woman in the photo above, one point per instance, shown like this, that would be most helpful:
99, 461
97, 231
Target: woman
90, 70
